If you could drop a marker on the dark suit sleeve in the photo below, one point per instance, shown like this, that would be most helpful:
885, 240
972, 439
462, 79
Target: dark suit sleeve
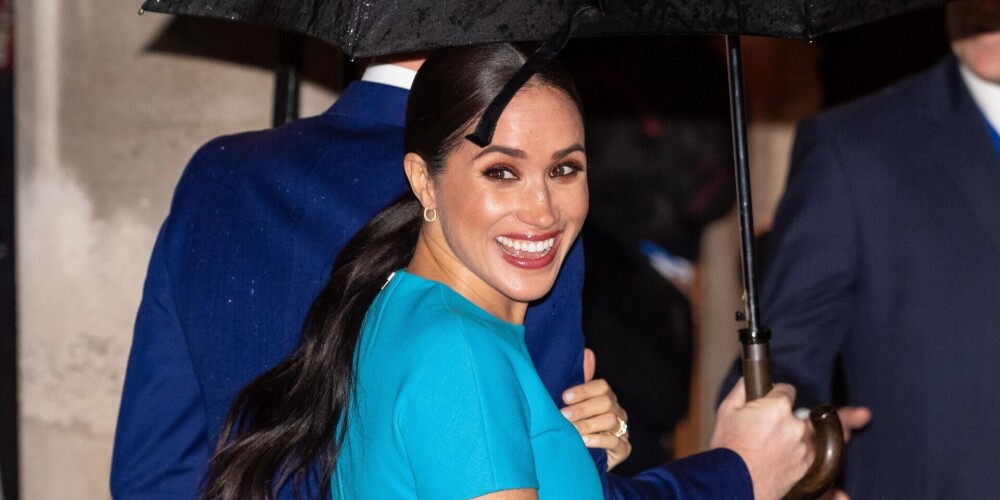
808, 285
160, 445
716, 474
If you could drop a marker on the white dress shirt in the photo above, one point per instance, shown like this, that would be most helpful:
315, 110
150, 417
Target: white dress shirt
986, 94
389, 74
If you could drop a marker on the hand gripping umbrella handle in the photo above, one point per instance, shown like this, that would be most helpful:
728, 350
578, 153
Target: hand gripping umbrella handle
828, 438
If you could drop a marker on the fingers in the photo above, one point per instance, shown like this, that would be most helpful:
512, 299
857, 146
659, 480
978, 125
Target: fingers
605, 422
604, 403
840, 495
737, 396
835, 494
600, 432
774, 444
593, 409
617, 448
853, 418
779, 400
587, 391
589, 365
604, 441
785, 392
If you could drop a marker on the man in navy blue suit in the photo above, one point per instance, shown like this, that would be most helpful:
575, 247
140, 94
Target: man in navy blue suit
255, 223
886, 262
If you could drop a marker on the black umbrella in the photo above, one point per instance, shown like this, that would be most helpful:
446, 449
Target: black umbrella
363, 28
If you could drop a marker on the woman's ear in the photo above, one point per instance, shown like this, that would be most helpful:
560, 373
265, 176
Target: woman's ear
420, 179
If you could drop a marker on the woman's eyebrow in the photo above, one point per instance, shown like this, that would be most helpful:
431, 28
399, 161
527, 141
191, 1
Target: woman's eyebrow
493, 148
566, 151
517, 153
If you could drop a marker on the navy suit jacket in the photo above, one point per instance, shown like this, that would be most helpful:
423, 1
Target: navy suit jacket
256, 221
886, 261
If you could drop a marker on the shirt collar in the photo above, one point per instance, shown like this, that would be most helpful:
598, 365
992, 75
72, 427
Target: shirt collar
986, 95
389, 74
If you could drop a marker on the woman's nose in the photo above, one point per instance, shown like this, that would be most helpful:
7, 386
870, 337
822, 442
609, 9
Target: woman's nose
537, 207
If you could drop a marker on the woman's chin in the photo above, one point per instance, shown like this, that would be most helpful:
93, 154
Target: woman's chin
523, 284
529, 292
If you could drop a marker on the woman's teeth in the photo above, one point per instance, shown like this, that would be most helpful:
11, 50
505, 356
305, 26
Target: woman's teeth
512, 245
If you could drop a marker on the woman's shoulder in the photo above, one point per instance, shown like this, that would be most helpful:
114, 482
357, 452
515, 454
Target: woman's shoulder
432, 316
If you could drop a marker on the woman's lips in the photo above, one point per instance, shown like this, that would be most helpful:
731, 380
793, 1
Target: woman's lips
529, 251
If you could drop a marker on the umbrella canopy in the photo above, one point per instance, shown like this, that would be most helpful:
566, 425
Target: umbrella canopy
363, 28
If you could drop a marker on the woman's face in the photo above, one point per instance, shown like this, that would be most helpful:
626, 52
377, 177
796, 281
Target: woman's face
508, 213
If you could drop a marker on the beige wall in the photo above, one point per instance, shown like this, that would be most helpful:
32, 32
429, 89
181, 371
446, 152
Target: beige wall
104, 128
720, 275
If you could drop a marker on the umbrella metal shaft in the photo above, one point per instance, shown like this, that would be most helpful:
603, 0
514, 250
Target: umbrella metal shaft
286, 79
828, 439
756, 353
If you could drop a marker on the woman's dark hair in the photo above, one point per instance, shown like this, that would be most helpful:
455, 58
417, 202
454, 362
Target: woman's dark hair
453, 88
286, 424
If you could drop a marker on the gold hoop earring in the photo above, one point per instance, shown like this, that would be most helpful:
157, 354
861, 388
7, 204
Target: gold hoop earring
430, 214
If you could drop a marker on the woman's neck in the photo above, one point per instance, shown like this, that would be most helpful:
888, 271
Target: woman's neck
432, 262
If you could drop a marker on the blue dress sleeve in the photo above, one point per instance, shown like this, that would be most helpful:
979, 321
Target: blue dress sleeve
462, 417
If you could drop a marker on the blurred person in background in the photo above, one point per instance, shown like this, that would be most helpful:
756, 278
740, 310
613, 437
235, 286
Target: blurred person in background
884, 269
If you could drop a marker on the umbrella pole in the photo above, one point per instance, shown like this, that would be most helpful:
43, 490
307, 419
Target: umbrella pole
754, 338
828, 438
286, 79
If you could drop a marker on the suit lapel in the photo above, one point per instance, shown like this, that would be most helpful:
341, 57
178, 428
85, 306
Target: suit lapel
963, 145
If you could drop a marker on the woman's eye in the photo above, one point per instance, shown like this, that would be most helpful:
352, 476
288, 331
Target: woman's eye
500, 173
564, 170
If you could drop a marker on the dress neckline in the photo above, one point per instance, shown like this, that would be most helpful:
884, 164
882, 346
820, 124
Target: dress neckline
454, 298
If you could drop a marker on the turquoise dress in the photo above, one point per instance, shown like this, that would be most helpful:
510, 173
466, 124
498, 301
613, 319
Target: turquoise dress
448, 405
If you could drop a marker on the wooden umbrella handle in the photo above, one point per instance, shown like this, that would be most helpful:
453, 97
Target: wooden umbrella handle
829, 442
757, 369
829, 435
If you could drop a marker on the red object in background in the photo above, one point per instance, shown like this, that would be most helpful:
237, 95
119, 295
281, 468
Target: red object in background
6, 37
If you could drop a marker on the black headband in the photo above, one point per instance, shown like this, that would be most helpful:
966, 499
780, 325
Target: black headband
483, 134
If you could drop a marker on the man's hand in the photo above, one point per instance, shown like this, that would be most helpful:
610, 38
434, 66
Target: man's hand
593, 409
775, 445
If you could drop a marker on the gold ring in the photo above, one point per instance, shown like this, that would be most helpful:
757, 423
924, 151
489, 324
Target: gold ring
622, 428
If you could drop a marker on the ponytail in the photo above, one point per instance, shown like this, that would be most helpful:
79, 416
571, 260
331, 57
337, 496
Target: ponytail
287, 420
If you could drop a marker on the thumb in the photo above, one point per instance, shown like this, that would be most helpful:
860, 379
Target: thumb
589, 365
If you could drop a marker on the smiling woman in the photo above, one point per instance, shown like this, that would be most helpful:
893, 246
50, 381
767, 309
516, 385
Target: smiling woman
509, 212
416, 382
